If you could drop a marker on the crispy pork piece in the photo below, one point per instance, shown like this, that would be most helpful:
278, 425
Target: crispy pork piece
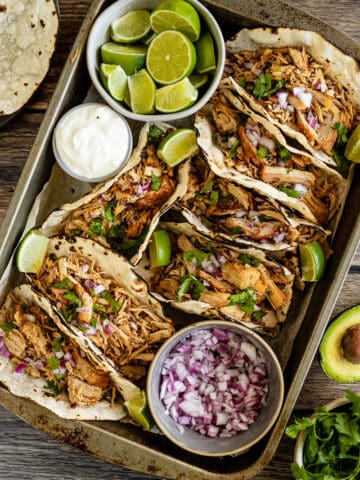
15, 343
242, 276
34, 334
81, 393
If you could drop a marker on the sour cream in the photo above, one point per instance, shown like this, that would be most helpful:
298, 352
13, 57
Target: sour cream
91, 142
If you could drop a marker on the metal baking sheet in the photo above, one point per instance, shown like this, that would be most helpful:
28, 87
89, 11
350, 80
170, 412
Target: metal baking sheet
128, 445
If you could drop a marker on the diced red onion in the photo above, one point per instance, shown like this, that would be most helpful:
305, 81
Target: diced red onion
89, 284
252, 132
38, 363
300, 188
221, 258
83, 309
228, 69
68, 356
108, 330
279, 237
282, 98
105, 322
4, 352
214, 382
248, 65
2, 333
267, 142
90, 330
312, 119
305, 97
290, 108
59, 354
140, 189
99, 289
20, 368
239, 213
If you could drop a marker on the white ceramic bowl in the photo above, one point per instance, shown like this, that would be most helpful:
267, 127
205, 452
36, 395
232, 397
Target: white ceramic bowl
78, 136
196, 442
100, 34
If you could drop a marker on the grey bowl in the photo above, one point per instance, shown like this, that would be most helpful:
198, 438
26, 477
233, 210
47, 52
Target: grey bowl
200, 444
99, 34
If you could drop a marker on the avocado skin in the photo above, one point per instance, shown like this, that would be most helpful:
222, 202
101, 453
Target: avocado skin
332, 359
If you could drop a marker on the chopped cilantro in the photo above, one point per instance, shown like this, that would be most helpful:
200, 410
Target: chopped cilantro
284, 153
115, 305
258, 315
190, 282
249, 260
215, 139
214, 197
262, 152
199, 195
53, 387
342, 133
243, 83
265, 85
8, 326
233, 149
57, 344
236, 231
68, 313
64, 284
290, 192
208, 186
54, 363
96, 228
155, 133
127, 246
206, 222
205, 247
60, 376
339, 147
289, 170
116, 231
155, 182
73, 298
98, 308
108, 212
245, 299
93, 322
195, 256
76, 232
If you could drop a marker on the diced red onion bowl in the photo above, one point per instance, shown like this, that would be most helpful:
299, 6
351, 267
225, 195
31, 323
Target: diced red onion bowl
215, 388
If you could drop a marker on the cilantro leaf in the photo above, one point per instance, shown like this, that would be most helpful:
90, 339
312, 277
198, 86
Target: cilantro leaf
214, 197
190, 282
155, 134
155, 182
262, 152
233, 149
265, 85
342, 133
249, 260
195, 256
54, 363
64, 284
284, 153
245, 299
236, 230
96, 228
208, 186
115, 305
8, 326
108, 212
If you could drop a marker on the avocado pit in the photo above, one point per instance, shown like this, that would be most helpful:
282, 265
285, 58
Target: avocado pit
350, 344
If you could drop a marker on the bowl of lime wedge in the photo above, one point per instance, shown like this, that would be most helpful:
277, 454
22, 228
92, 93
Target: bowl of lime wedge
154, 60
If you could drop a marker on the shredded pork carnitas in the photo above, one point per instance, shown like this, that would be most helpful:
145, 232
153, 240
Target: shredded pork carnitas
38, 348
223, 206
237, 284
294, 89
250, 149
125, 331
120, 217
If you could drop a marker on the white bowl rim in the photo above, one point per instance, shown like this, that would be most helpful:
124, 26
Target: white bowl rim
245, 331
164, 117
64, 166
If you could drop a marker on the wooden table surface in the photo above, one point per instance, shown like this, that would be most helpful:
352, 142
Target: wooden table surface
26, 453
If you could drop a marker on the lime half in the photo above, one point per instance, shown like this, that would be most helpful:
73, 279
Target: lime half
170, 57
131, 27
312, 261
177, 146
176, 15
114, 80
205, 52
139, 411
31, 252
130, 57
352, 150
175, 97
142, 92
160, 249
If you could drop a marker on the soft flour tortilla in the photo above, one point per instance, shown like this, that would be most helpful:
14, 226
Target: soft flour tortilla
55, 223
339, 67
27, 41
26, 386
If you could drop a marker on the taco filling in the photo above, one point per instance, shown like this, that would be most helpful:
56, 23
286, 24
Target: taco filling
35, 346
295, 90
236, 283
234, 213
126, 331
250, 149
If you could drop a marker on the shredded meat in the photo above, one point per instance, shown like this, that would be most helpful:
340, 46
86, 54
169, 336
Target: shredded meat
82, 394
15, 343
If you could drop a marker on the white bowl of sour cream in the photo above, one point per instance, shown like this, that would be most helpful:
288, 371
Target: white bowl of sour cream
92, 142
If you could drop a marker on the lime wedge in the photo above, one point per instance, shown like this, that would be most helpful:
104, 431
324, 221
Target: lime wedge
198, 79
352, 150
139, 411
175, 97
176, 15
177, 146
312, 261
130, 57
160, 249
114, 80
170, 57
142, 92
131, 27
205, 52
31, 252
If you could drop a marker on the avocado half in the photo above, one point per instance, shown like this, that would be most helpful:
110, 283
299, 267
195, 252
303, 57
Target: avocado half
332, 357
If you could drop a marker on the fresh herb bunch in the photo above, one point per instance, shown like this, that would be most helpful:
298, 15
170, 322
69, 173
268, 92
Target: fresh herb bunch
332, 443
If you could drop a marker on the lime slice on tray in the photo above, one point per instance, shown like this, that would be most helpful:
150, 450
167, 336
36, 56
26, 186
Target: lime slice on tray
160, 249
177, 146
139, 411
31, 252
131, 27
352, 149
198, 79
114, 80
176, 15
312, 261
142, 92
205, 52
175, 97
130, 57
170, 57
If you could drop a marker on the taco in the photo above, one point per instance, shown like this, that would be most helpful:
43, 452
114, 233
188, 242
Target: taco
300, 82
213, 279
121, 213
27, 41
40, 362
225, 211
104, 303
246, 148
